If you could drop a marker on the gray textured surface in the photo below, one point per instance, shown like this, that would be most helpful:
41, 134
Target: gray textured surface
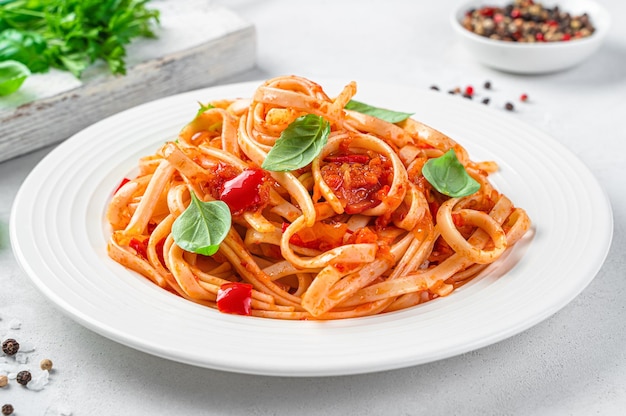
573, 363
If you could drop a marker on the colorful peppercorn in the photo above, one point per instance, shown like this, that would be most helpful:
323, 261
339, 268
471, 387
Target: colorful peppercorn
523, 97
4, 380
46, 364
7, 409
527, 21
23, 377
509, 107
10, 346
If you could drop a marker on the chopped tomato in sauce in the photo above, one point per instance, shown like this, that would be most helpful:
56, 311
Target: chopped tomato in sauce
358, 184
140, 246
363, 236
352, 158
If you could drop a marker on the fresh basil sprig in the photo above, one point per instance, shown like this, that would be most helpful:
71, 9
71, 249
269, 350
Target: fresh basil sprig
203, 108
202, 226
381, 113
298, 144
448, 176
12, 75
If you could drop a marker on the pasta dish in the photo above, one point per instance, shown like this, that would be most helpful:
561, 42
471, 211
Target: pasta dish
291, 204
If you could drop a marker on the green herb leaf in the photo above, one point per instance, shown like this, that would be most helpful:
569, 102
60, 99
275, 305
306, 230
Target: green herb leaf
202, 226
203, 108
381, 113
12, 75
448, 176
25, 47
72, 34
298, 144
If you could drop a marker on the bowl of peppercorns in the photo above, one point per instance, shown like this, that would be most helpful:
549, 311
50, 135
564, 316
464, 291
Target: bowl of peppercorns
529, 37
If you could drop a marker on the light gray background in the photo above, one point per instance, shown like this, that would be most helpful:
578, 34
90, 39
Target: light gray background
574, 363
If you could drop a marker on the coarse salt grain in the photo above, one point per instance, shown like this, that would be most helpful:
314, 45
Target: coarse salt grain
25, 346
21, 357
15, 324
38, 380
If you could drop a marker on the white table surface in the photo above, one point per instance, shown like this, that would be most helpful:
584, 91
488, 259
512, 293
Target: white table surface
573, 363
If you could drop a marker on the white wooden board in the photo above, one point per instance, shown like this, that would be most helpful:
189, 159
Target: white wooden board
198, 44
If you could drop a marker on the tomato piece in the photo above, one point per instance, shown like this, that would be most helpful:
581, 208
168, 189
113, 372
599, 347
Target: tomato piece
243, 191
352, 158
363, 236
424, 145
141, 247
122, 183
235, 298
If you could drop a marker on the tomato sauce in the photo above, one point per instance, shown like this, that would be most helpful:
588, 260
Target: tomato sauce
360, 181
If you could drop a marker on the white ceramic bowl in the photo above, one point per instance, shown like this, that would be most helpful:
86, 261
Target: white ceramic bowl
534, 58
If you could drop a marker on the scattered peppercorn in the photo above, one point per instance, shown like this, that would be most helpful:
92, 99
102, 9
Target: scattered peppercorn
434, 88
23, 377
527, 21
46, 364
509, 107
457, 90
10, 346
524, 97
485, 101
7, 409
469, 90
4, 380
487, 85
451, 92
466, 95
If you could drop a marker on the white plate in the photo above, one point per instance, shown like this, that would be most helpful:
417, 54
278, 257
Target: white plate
59, 236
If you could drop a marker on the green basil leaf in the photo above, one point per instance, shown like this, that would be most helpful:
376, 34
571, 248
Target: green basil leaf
25, 47
203, 108
12, 75
381, 113
448, 176
298, 144
202, 226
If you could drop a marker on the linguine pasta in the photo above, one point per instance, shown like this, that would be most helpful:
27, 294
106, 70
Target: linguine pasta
358, 231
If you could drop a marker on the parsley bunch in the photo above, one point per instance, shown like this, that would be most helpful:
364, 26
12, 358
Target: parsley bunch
69, 34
